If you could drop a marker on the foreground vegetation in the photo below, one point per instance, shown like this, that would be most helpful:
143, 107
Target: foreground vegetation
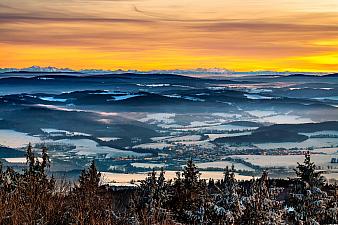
33, 197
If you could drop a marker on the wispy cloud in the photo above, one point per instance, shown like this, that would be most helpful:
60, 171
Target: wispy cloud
156, 34
4, 6
262, 26
29, 18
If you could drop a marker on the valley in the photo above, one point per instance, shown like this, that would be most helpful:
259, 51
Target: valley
133, 123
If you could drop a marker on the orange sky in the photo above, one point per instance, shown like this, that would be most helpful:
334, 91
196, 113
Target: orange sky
298, 35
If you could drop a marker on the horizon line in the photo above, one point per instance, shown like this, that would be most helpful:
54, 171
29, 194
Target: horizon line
211, 70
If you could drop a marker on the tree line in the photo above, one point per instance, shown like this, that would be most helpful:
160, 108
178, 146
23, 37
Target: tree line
33, 197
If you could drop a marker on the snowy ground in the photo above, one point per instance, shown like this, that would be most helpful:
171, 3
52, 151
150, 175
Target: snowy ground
286, 161
126, 178
224, 164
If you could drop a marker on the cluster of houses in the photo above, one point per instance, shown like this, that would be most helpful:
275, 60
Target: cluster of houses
334, 160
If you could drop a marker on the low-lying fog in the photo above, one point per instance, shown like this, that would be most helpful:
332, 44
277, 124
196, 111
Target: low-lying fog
134, 123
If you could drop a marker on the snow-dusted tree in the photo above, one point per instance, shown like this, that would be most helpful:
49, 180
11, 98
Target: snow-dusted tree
147, 201
308, 174
9, 179
152, 198
260, 207
190, 196
29, 195
227, 208
89, 202
309, 203
89, 179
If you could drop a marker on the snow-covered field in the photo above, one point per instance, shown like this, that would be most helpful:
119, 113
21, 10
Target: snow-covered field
166, 118
126, 178
88, 147
285, 119
185, 138
326, 150
56, 132
160, 138
212, 137
224, 164
16, 160
85, 147
204, 144
14, 139
108, 138
287, 161
312, 142
149, 165
153, 145
324, 132
218, 127
333, 176
261, 113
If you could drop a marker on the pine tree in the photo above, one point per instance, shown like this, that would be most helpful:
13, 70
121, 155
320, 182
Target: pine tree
90, 202
260, 208
191, 193
30, 158
89, 179
228, 208
306, 198
162, 189
152, 199
191, 176
148, 201
308, 174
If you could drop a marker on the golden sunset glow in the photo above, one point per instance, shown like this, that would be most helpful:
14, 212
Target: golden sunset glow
299, 35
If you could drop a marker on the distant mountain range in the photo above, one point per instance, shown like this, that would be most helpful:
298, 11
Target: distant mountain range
198, 71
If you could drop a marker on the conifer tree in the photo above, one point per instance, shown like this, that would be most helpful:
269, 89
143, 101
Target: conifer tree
89, 179
228, 208
308, 174
260, 208
191, 193
308, 201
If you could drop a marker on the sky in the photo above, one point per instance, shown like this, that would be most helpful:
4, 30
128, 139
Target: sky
280, 35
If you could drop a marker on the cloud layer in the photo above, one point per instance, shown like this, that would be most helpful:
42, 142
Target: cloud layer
158, 34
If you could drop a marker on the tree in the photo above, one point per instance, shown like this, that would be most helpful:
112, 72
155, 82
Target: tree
90, 203
191, 195
30, 195
89, 179
228, 208
308, 174
260, 207
308, 201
